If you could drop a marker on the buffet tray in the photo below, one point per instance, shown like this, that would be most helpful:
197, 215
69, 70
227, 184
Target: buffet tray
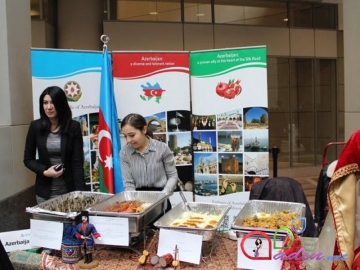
196, 207
66, 207
253, 207
137, 221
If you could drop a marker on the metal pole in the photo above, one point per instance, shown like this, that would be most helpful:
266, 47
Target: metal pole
275, 152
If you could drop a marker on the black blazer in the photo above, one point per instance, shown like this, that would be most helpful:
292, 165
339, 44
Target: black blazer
72, 156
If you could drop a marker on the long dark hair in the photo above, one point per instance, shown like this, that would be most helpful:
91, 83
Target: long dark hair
136, 121
256, 242
61, 106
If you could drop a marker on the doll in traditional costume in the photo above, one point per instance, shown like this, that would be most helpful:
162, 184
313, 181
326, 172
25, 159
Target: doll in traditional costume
344, 203
295, 261
87, 233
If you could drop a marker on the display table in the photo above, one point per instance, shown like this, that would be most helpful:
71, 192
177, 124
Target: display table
224, 257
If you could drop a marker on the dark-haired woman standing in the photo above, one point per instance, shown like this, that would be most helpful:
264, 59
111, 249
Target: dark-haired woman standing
146, 164
58, 140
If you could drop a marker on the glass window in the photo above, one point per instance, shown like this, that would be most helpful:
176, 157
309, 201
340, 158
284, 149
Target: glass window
247, 12
197, 11
300, 15
145, 10
278, 72
303, 111
325, 105
325, 16
302, 128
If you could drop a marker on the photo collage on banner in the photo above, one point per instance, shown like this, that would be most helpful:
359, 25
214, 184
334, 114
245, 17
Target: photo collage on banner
221, 147
157, 86
81, 82
230, 124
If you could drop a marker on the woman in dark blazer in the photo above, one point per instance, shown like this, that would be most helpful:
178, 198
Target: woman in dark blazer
58, 140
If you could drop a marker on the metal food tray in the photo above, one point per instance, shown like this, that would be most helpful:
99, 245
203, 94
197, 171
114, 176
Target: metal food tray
137, 221
199, 208
67, 207
253, 207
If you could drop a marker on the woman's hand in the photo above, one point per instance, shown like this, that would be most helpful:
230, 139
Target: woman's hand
52, 173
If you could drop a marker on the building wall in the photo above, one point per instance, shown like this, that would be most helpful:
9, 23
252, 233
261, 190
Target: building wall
172, 36
15, 113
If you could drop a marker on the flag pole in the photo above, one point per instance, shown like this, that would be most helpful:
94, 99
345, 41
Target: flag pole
110, 177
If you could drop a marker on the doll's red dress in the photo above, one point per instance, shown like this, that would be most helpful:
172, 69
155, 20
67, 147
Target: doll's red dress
296, 263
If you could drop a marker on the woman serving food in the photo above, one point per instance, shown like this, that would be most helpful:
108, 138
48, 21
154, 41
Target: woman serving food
147, 164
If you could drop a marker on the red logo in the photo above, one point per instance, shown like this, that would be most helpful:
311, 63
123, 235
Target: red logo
229, 90
255, 257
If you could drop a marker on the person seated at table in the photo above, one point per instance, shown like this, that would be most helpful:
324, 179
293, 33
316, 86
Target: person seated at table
146, 164
284, 189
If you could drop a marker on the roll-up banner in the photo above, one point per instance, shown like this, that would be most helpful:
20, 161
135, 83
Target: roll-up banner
78, 74
157, 86
229, 124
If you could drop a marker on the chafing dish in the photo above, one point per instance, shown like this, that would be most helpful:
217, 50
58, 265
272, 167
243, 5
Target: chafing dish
137, 221
254, 207
67, 207
197, 208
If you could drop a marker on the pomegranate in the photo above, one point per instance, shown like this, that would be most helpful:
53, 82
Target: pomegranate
238, 89
229, 93
220, 88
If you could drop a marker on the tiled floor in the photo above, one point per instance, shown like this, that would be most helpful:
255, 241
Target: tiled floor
309, 184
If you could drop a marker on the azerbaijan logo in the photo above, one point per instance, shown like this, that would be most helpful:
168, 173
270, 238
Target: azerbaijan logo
151, 91
73, 91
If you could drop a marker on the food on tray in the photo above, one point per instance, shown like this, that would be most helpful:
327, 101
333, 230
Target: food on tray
134, 206
71, 204
272, 221
195, 220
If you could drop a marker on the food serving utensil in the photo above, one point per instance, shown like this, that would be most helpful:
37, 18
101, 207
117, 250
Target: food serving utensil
184, 200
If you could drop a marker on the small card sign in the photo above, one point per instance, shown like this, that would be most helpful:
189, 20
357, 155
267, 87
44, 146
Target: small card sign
261, 255
47, 234
16, 240
113, 230
189, 245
